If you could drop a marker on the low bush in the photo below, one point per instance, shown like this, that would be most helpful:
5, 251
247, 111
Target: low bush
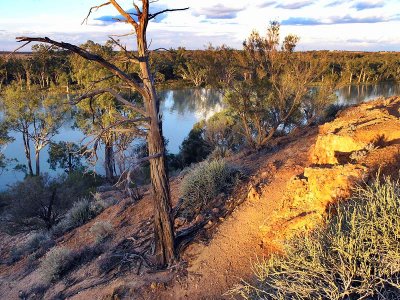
35, 241
60, 261
101, 230
357, 255
55, 263
40, 202
205, 182
34, 292
80, 213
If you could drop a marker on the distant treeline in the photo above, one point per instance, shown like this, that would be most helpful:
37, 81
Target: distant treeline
194, 67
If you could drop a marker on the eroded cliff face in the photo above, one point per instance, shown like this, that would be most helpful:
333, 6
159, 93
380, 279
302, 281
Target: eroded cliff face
349, 150
362, 128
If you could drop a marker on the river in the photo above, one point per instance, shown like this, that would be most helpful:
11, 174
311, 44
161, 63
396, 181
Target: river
181, 109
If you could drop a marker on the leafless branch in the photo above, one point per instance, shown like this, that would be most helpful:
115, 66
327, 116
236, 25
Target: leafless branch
125, 34
127, 16
91, 152
95, 8
118, 44
117, 96
161, 48
137, 8
120, 20
20, 47
152, 16
89, 56
128, 55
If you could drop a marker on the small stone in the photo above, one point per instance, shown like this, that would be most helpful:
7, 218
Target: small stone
178, 222
199, 218
208, 225
215, 210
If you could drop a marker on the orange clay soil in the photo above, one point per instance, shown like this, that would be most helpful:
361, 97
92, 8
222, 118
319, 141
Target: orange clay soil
289, 189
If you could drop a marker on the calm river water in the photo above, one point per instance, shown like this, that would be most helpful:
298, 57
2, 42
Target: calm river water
181, 109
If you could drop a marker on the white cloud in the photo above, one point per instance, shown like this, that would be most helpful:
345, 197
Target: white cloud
216, 21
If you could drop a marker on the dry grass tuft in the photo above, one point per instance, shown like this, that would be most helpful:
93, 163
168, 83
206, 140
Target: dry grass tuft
357, 255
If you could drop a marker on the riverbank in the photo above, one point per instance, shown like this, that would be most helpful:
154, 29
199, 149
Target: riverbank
287, 191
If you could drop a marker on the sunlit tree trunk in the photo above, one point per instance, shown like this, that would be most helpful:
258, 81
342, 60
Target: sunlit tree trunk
163, 229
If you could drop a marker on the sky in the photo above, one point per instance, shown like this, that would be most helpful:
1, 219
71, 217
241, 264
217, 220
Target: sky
364, 25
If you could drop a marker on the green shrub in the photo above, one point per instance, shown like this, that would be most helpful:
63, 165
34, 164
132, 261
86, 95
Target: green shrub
205, 182
40, 202
80, 213
38, 240
357, 255
55, 263
101, 230
332, 110
194, 148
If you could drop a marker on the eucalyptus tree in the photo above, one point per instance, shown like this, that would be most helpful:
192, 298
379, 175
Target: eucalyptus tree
36, 114
49, 65
94, 115
143, 84
65, 155
4, 140
3, 72
194, 69
274, 81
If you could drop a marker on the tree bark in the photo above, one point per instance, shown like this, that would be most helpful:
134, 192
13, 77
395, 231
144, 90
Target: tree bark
163, 228
37, 162
109, 160
27, 150
70, 168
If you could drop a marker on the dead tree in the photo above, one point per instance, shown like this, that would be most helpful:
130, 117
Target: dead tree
163, 228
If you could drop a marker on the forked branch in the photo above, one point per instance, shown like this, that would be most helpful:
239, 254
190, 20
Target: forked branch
126, 15
95, 8
117, 96
152, 16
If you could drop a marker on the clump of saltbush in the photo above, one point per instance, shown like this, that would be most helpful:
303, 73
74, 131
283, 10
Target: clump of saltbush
56, 262
205, 182
357, 255
80, 213
60, 261
101, 230
36, 241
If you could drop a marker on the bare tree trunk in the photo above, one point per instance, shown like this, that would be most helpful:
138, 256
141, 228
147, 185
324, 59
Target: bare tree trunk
27, 150
163, 229
70, 169
37, 161
109, 160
